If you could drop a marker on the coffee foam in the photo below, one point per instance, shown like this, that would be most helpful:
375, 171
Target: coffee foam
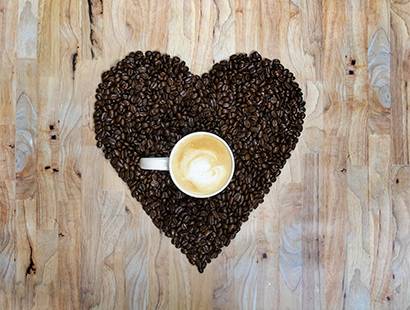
202, 165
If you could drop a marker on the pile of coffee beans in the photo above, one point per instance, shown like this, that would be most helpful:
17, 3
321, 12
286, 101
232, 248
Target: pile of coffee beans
148, 101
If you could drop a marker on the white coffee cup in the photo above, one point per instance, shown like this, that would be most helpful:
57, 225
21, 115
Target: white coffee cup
165, 164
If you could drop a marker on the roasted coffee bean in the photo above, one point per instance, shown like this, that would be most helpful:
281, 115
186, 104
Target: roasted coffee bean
148, 101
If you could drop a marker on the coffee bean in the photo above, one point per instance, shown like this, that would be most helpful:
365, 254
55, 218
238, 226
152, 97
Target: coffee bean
148, 101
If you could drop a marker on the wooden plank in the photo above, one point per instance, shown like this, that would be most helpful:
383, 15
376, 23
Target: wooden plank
360, 238
27, 248
310, 234
400, 189
26, 174
332, 219
334, 155
26, 256
379, 66
8, 23
69, 143
357, 83
290, 247
7, 216
381, 226
400, 74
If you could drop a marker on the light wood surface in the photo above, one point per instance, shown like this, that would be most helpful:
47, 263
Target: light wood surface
333, 233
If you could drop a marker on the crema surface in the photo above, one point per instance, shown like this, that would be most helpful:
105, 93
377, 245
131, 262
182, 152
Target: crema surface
201, 165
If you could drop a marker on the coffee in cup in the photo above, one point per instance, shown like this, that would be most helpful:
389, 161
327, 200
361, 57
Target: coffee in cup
201, 164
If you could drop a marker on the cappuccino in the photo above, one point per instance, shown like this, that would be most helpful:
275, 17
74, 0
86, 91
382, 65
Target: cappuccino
201, 164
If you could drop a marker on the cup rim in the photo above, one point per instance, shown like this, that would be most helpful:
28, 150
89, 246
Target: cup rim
173, 151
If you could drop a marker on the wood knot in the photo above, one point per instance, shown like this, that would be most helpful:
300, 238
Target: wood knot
264, 256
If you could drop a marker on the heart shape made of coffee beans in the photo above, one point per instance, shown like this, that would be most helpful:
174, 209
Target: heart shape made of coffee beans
148, 101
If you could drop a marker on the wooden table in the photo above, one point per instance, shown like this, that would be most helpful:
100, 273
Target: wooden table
333, 233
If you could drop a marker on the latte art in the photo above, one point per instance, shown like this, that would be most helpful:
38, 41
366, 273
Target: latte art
201, 169
202, 165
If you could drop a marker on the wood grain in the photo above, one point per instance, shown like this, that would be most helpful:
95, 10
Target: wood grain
333, 233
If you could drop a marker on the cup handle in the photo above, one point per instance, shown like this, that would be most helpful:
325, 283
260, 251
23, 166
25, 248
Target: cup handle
154, 163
